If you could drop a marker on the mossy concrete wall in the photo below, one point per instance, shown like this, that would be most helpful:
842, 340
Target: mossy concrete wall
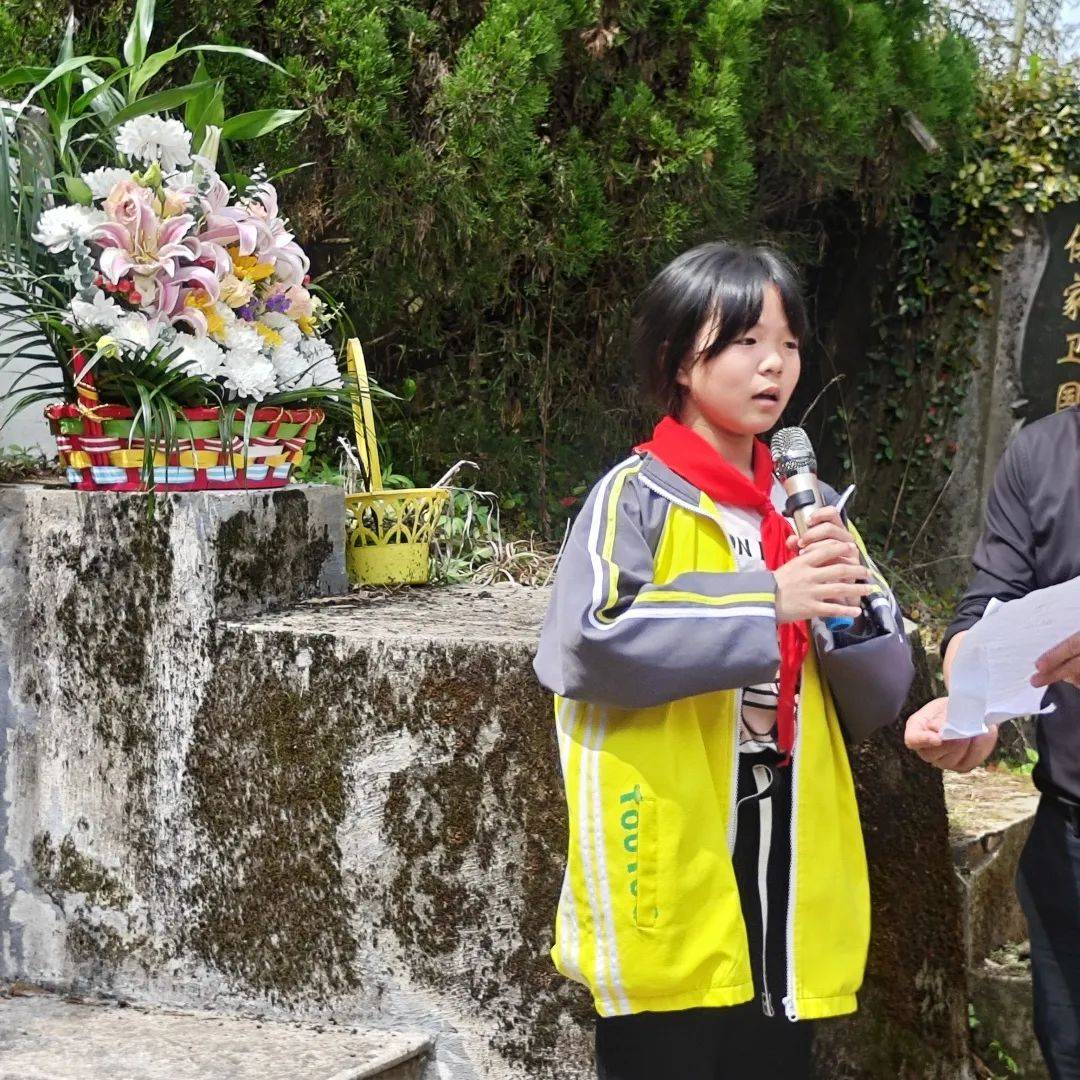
108, 640
351, 809
993, 401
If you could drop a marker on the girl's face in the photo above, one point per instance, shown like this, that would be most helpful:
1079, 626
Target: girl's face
744, 389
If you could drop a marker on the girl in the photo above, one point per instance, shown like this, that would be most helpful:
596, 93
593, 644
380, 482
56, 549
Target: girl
715, 897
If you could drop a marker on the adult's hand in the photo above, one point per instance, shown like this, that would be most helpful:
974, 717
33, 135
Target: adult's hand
1060, 664
923, 735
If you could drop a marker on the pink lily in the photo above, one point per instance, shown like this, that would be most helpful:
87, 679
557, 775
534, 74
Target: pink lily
278, 243
150, 248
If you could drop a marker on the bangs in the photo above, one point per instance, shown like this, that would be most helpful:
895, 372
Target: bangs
738, 296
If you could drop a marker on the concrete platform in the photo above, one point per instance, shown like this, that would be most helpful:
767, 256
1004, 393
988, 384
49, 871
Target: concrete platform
221, 789
990, 815
49, 1038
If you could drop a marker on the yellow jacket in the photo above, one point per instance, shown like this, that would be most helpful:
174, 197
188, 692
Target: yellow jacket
650, 634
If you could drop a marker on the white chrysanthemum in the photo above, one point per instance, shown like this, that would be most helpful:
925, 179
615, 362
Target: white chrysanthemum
101, 312
150, 139
241, 335
290, 333
315, 350
291, 366
320, 358
59, 226
198, 356
133, 331
203, 172
325, 374
102, 181
249, 374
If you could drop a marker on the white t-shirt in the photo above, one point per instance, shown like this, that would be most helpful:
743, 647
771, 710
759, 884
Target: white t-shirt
757, 724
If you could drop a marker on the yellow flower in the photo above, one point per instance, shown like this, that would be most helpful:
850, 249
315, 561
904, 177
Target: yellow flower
269, 335
248, 267
306, 324
108, 346
215, 324
234, 292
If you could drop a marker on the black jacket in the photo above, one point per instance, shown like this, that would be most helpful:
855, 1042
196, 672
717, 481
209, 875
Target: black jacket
1031, 541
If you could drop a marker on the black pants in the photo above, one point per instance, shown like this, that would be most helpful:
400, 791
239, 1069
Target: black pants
737, 1043
740, 1042
1049, 887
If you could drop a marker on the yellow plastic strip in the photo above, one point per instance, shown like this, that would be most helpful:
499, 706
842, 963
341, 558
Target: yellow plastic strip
363, 415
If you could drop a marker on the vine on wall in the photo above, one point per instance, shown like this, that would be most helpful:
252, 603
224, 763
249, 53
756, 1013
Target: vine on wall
1022, 160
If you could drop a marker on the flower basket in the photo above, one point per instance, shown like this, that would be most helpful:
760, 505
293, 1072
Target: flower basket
101, 448
171, 310
388, 532
100, 452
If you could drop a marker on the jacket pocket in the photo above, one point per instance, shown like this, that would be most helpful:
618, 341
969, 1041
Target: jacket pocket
647, 908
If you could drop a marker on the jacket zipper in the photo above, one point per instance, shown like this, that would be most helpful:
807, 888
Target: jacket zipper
733, 810
796, 759
762, 780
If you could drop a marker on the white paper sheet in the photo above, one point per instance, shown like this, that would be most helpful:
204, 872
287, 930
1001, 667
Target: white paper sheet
990, 679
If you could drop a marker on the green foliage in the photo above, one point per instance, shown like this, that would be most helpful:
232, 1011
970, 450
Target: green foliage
1025, 152
22, 463
492, 185
1021, 766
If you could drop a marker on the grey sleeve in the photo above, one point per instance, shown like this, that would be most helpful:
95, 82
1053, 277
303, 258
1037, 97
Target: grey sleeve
1004, 558
612, 636
869, 669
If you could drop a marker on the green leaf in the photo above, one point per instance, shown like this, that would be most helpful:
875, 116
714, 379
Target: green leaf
78, 190
203, 106
60, 71
292, 169
250, 125
152, 65
142, 24
238, 50
159, 102
67, 46
19, 75
99, 87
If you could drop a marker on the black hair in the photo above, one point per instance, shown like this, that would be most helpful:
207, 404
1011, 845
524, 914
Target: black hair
710, 280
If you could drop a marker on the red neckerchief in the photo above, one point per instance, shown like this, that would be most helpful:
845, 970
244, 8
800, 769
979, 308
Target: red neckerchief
691, 457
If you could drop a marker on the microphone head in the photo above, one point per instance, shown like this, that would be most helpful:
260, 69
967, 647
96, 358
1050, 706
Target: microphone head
792, 452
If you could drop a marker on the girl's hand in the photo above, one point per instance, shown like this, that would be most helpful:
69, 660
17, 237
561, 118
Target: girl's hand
826, 524
820, 583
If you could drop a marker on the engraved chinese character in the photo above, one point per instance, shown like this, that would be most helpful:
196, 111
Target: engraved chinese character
1068, 395
1072, 353
1071, 307
1072, 245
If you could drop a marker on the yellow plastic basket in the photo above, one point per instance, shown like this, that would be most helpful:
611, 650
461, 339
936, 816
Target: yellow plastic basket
389, 531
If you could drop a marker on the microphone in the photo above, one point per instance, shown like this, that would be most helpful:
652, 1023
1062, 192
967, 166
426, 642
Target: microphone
795, 466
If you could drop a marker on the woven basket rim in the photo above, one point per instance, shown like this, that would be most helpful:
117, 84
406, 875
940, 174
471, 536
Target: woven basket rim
69, 410
391, 493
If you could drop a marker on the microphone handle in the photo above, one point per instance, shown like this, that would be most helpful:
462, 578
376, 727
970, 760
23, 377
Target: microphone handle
804, 497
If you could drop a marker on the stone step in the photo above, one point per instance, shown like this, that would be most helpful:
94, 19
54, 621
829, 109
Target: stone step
990, 815
1002, 1030
43, 1037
